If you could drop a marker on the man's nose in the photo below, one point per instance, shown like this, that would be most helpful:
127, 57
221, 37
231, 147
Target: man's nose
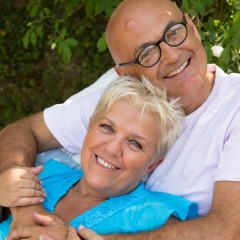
168, 54
114, 147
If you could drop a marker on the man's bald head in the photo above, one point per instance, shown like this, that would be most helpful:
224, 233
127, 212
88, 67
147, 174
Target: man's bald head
127, 20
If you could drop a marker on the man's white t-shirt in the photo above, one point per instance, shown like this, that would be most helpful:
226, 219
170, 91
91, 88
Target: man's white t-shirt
208, 149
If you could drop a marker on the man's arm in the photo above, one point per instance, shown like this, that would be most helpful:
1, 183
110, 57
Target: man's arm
20, 141
222, 223
57, 229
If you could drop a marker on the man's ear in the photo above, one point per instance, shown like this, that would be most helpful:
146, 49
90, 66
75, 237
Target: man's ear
119, 71
192, 27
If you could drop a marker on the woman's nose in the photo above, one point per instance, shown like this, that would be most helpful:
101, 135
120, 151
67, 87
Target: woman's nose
114, 147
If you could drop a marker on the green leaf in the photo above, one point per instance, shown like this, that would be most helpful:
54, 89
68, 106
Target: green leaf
69, 7
71, 42
41, 15
185, 4
56, 2
209, 26
33, 38
39, 31
202, 35
25, 39
236, 18
29, 5
225, 56
47, 11
51, 41
75, 3
66, 54
101, 44
236, 41
200, 8
99, 7
34, 11
217, 22
212, 37
60, 46
63, 33
192, 12
209, 52
89, 7
56, 25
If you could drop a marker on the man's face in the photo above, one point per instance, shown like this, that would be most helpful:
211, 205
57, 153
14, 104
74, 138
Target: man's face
181, 69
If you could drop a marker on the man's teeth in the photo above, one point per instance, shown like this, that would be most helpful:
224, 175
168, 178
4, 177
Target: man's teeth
178, 70
105, 164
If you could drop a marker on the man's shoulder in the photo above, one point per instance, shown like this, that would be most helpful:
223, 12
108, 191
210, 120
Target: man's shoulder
97, 87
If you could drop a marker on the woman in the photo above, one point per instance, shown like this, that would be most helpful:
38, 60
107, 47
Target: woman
130, 132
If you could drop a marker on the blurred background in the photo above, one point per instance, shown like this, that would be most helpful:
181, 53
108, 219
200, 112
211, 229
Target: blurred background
50, 50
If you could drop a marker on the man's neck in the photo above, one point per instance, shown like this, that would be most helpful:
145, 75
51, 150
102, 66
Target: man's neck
192, 103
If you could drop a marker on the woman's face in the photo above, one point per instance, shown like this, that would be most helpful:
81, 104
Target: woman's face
118, 150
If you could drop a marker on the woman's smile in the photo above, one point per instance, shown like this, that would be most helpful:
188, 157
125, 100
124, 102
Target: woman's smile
105, 164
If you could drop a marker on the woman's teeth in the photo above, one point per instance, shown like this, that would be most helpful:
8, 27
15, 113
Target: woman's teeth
105, 164
177, 70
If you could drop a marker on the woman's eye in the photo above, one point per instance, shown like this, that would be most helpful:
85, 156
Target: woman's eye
106, 127
136, 144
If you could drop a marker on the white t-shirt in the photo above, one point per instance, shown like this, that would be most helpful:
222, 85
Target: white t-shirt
206, 151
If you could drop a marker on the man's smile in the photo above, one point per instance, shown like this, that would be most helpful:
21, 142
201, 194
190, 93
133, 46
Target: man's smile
173, 73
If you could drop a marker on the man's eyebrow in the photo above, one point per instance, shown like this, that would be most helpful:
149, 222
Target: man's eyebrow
141, 47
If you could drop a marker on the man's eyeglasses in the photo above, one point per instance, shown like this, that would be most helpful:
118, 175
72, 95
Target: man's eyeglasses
150, 55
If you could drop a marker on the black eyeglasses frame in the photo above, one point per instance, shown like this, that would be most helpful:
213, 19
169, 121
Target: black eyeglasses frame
162, 39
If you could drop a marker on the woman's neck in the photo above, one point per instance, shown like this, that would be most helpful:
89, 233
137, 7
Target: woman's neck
77, 201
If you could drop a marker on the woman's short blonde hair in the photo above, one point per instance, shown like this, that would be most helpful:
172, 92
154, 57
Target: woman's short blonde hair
149, 98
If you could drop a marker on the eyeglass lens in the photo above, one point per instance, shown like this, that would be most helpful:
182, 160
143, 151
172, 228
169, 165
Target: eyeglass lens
173, 37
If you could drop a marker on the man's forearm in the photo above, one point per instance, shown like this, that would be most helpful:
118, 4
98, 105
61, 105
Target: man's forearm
22, 216
18, 145
199, 229
20, 141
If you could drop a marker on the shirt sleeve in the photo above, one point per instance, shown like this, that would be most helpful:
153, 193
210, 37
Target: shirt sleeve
68, 122
229, 163
148, 214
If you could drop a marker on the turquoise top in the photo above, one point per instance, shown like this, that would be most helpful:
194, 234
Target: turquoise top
137, 211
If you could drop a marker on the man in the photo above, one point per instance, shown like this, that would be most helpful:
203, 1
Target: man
153, 38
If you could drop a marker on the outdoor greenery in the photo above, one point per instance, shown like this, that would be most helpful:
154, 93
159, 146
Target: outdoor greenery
50, 50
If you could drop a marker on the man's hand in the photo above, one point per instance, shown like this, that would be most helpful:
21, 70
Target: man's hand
84, 233
49, 222
19, 186
87, 234
50, 226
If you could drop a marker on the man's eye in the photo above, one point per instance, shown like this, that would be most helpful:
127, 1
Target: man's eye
135, 143
106, 127
172, 32
175, 32
147, 53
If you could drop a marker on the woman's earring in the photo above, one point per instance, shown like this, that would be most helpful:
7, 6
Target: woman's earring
144, 178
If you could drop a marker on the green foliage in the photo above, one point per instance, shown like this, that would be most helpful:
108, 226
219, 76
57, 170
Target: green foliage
33, 77
44, 15
218, 22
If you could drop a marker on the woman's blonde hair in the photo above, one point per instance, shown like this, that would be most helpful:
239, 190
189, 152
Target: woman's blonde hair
149, 98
